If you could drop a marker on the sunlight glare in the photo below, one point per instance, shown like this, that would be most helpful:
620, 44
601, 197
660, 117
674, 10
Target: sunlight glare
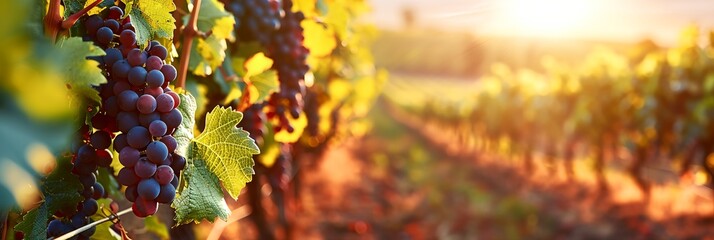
546, 17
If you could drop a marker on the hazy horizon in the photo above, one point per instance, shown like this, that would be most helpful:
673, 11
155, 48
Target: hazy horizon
608, 20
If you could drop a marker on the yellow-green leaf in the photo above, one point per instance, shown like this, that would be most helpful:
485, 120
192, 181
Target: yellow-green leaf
151, 19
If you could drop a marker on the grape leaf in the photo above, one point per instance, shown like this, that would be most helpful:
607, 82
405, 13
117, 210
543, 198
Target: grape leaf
34, 223
184, 133
201, 196
151, 19
208, 53
264, 83
153, 225
320, 39
227, 150
73, 6
81, 74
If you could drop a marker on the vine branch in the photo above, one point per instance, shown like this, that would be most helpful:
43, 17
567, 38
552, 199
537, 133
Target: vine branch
66, 24
189, 32
88, 226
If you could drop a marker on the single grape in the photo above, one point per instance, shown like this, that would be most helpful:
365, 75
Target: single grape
87, 192
172, 119
113, 25
131, 194
137, 76
144, 207
93, 23
146, 104
98, 191
90, 207
86, 154
120, 69
144, 168
157, 128
154, 78
164, 103
120, 87
154, 63
104, 158
178, 163
136, 57
138, 137
120, 142
156, 151
169, 72
170, 142
113, 55
88, 179
167, 193
127, 37
129, 157
126, 121
115, 13
159, 51
78, 220
164, 175
127, 177
175, 96
100, 140
56, 228
105, 35
148, 188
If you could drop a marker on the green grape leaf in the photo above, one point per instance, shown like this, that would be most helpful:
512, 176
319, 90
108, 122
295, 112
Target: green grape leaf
265, 83
153, 225
110, 184
227, 150
81, 74
184, 133
151, 19
207, 54
34, 223
200, 196
73, 6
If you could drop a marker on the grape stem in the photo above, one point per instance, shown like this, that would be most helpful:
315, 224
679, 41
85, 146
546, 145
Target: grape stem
189, 31
66, 24
88, 226
53, 20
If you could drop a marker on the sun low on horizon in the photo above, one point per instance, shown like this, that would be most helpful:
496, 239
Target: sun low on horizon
546, 18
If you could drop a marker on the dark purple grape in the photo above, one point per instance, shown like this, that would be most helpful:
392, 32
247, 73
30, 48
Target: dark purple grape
115, 13
127, 120
144, 168
146, 119
78, 220
146, 104
157, 128
104, 158
93, 23
175, 181
90, 207
175, 96
167, 193
128, 26
111, 106
138, 137
130, 193
113, 55
154, 78
154, 63
127, 38
156, 151
88, 179
113, 25
88, 192
129, 156
164, 175
136, 57
100, 140
148, 188
169, 72
172, 119
120, 142
127, 177
100, 121
128, 100
178, 163
144, 207
120, 69
137, 76
98, 191
56, 228
159, 51
120, 87
86, 154
170, 142
164, 103
105, 35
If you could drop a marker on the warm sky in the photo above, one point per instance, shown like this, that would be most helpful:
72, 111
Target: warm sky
618, 20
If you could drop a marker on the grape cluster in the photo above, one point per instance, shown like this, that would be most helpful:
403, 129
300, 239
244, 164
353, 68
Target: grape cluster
312, 108
90, 153
253, 118
290, 61
138, 102
255, 20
